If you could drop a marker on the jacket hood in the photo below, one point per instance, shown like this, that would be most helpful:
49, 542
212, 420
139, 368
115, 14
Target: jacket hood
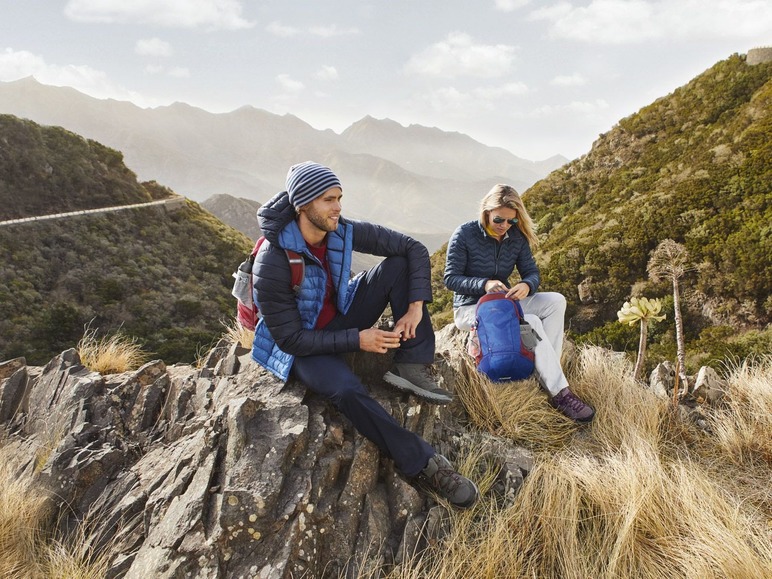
274, 216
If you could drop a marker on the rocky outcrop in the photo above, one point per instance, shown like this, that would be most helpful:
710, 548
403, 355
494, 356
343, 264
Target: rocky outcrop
759, 55
708, 389
222, 471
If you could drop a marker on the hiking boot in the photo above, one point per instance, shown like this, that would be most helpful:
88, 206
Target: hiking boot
572, 406
416, 380
440, 477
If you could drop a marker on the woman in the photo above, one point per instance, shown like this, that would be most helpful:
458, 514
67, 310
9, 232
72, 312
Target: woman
482, 254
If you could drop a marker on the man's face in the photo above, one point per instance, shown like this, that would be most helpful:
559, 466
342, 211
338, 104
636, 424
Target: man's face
324, 211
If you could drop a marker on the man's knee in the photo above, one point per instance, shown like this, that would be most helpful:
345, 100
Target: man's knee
346, 390
394, 266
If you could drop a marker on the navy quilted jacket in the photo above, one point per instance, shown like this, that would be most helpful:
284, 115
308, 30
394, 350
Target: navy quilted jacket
474, 257
286, 328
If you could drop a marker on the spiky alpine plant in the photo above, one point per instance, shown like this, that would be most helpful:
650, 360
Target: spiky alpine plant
641, 310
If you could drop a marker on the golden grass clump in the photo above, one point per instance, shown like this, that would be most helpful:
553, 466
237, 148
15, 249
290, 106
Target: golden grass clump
612, 499
743, 427
235, 333
23, 513
31, 545
518, 411
625, 413
110, 355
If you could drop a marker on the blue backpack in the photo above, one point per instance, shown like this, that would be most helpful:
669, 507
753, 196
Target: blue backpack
506, 341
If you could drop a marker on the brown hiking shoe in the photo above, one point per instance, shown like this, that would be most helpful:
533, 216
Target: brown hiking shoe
439, 476
572, 406
416, 380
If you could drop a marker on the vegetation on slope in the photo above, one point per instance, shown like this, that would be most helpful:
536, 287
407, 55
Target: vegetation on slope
162, 278
695, 167
45, 170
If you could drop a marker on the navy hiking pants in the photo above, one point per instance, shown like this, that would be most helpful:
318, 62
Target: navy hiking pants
330, 376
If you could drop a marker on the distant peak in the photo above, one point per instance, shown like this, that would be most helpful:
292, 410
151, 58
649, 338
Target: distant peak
370, 120
25, 80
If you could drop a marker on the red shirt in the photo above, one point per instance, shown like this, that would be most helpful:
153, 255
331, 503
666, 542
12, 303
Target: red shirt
329, 309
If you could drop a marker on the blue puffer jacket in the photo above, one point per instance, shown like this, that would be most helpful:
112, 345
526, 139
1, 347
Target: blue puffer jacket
474, 257
286, 328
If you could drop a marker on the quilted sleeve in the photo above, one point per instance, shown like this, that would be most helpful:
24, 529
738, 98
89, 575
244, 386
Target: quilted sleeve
457, 262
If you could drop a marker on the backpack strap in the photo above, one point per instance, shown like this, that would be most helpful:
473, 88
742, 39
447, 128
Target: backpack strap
519, 308
297, 269
296, 261
258, 243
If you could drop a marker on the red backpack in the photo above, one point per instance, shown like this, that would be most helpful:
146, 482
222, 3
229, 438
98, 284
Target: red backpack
247, 312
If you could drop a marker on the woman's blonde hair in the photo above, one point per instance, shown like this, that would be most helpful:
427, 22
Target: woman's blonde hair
506, 196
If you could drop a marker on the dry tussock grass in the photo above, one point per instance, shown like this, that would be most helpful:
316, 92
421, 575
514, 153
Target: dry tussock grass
622, 498
518, 411
31, 544
743, 428
23, 513
75, 556
235, 333
110, 355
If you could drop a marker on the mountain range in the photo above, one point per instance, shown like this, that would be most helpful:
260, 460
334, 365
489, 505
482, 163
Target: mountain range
420, 180
695, 166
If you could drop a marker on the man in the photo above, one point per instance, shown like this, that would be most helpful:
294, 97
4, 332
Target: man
306, 330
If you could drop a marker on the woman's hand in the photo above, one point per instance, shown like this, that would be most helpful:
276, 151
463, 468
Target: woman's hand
520, 291
494, 285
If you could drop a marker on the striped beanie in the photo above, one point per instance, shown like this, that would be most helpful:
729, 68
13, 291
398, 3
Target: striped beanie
307, 181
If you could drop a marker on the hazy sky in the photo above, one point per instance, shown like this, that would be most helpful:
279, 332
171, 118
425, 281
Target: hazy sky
537, 77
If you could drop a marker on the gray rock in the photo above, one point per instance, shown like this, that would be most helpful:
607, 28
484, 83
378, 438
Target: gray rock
709, 386
662, 379
224, 471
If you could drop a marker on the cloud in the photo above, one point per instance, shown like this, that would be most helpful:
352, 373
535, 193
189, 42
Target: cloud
327, 73
278, 29
457, 55
634, 21
332, 31
498, 92
575, 79
448, 99
179, 72
209, 14
470, 103
153, 47
289, 84
16, 64
585, 108
510, 5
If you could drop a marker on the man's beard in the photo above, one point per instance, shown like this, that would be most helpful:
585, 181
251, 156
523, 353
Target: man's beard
320, 222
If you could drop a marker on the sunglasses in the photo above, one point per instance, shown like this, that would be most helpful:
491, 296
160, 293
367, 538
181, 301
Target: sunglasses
498, 220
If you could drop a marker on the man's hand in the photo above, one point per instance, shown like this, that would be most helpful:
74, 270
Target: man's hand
378, 341
407, 324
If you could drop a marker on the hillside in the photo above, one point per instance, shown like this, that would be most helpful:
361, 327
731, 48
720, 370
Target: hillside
164, 278
239, 213
44, 171
694, 166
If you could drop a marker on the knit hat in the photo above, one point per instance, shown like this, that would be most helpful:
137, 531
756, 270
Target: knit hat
307, 181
